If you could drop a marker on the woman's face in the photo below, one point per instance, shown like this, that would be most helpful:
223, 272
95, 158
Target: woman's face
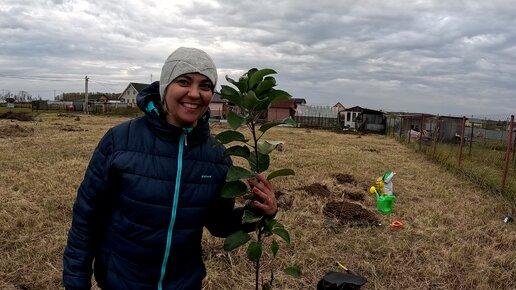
187, 98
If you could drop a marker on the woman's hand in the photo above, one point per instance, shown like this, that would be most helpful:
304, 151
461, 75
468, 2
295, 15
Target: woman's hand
263, 189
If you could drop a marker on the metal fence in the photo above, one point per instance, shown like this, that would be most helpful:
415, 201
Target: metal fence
484, 151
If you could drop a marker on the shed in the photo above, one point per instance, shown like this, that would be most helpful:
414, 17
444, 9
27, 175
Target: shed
39, 105
362, 119
281, 109
218, 107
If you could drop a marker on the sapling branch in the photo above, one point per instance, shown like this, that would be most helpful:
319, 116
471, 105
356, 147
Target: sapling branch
254, 96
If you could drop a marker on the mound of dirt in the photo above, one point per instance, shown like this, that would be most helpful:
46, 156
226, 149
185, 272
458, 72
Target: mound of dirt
354, 195
350, 213
345, 178
284, 200
15, 131
317, 189
20, 116
71, 128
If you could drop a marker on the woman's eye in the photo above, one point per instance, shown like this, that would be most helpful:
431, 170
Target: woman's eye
182, 82
205, 87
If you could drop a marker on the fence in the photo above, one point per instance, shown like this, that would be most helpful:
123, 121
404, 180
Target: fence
484, 151
93, 107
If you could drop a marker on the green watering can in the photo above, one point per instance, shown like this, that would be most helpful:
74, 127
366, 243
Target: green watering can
384, 203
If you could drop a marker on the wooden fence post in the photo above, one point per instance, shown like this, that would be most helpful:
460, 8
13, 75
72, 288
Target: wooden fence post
507, 153
462, 138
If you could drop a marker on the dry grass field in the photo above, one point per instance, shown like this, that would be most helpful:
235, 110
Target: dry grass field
453, 235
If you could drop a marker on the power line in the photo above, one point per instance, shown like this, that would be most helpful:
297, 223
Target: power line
39, 78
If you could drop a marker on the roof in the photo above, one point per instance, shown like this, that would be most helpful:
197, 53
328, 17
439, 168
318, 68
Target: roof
217, 99
284, 104
299, 101
139, 86
364, 110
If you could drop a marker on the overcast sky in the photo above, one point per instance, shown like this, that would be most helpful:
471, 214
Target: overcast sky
441, 57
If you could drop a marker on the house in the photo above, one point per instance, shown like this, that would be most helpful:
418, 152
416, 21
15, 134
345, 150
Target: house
362, 119
281, 109
299, 101
340, 107
128, 96
218, 107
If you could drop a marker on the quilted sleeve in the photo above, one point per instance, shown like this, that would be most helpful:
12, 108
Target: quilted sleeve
88, 210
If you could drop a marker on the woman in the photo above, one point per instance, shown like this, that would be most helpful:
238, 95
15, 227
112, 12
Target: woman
151, 186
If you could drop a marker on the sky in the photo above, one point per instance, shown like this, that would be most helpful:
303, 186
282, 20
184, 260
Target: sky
446, 57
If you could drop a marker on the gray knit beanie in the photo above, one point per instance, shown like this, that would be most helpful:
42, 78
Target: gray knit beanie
186, 60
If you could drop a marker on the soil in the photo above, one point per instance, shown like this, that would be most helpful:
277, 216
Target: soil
345, 178
20, 116
71, 128
354, 195
284, 200
317, 189
350, 213
15, 131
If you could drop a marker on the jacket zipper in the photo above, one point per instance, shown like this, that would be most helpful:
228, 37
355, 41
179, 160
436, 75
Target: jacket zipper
182, 143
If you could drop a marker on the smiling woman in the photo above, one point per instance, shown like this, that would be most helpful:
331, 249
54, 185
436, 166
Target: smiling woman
152, 185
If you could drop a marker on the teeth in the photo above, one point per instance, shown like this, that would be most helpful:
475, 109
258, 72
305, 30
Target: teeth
191, 106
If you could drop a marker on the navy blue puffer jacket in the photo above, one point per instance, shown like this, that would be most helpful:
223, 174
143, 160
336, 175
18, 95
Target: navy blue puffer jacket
148, 191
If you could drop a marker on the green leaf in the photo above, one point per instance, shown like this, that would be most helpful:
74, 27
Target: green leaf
281, 172
282, 233
249, 100
278, 95
257, 77
237, 150
266, 147
254, 251
230, 94
263, 162
274, 248
293, 271
235, 120
237, 173
250, 217
263, 105
263, 87
230, 136
266, 286
269, 226
241, 84
236, 240
234, 189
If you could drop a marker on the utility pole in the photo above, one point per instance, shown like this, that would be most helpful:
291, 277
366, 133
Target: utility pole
85, 106
151, 78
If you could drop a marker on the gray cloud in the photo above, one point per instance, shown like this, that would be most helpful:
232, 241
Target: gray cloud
420, 56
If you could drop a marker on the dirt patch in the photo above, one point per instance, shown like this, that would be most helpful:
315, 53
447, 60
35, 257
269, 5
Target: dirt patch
349, 213
20, 116
15, 131
71, 128
354, 195
317, 189
76, 117
285, 201
345, 178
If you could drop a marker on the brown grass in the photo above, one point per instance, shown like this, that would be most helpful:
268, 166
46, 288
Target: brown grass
453, 235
